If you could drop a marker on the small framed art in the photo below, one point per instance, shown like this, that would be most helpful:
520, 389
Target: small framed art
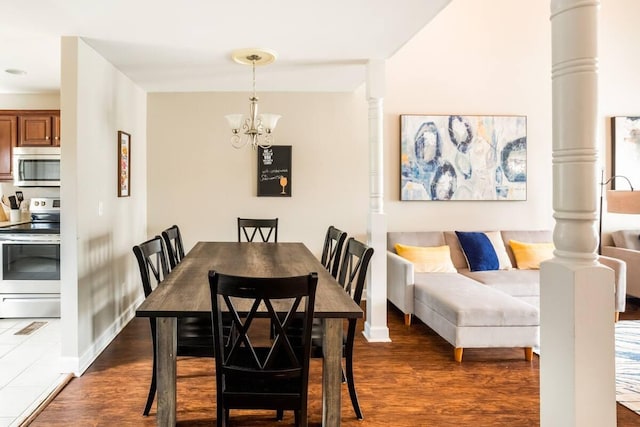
274, 171
124, 164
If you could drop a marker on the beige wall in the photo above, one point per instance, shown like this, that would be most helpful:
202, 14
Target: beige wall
475, 58
486, 58
100, 281
471, 59
619, 88
200, 182
29, 101
494, 57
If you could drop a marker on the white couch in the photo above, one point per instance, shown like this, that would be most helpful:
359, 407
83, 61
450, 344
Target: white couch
498, 308
627, 248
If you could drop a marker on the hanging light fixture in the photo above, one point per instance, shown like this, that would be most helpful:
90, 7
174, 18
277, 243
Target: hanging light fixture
256, 129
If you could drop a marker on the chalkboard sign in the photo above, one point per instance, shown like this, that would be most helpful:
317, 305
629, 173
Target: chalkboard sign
274, 171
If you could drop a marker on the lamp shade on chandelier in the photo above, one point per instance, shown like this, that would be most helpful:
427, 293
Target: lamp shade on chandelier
255, 129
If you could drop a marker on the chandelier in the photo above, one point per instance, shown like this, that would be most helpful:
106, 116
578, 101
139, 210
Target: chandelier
256, 129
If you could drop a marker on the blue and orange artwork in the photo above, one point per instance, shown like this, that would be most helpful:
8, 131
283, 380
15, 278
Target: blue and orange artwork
449, 157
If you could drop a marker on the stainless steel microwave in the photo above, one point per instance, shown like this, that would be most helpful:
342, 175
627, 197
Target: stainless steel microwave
36, 166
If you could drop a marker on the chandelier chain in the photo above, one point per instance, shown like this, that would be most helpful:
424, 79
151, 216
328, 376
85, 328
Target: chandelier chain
254, 77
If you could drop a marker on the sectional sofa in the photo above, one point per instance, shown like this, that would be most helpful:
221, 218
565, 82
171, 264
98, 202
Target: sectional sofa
626, 247
476, 309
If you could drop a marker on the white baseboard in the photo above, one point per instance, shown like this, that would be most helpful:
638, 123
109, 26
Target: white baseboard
78, 365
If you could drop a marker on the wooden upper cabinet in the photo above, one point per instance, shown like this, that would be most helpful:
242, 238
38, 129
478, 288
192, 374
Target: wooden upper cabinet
8, 139
56, 130
35, 131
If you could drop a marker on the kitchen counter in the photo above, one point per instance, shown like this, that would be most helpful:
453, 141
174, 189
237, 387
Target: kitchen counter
8, 223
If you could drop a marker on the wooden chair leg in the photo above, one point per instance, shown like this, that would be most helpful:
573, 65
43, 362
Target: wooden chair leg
351, 384
407, 319
152, 387
152, 391
457, 354
222, 414
528, 354
617, 318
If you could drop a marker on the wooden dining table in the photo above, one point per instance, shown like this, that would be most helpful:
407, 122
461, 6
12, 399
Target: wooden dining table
185, 293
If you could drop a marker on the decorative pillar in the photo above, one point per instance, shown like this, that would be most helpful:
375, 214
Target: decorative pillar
577, 365
375, 327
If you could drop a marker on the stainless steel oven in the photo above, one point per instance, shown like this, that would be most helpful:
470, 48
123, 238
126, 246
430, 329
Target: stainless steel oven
30, 264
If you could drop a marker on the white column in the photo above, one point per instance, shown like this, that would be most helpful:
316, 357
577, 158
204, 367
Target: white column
375, 326
577, 365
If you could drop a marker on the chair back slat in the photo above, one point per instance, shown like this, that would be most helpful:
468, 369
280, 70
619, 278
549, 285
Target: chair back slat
173, 242
332, 250
249, 228
152, 263
354, 266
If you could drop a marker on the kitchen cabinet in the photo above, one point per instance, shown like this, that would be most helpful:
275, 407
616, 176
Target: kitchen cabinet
56, 131
26, 128
39, 130
8, 139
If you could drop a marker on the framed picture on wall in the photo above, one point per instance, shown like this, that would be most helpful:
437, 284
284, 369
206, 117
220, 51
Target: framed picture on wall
625, 150
124, 164
274, 171
451, 157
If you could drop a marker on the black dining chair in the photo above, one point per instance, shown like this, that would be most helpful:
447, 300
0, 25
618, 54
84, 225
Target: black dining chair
195, 334
353, 273
248, 229
255, 370
332, 249
173, 242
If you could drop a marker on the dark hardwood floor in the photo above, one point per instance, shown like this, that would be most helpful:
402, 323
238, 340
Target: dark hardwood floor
412, 381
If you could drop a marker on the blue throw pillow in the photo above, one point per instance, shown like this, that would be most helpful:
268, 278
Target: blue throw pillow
479, 251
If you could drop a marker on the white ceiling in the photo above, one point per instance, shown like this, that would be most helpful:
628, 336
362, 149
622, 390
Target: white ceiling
186, 45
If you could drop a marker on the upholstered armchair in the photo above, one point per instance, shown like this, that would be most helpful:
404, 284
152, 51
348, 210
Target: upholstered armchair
627, 248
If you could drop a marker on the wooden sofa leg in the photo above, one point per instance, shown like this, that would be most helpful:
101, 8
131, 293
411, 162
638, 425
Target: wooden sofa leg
528, 354
457, 354
407, 319
617, 316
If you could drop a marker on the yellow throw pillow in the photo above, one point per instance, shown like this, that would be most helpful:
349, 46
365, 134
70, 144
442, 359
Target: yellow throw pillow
431, 259
529, 255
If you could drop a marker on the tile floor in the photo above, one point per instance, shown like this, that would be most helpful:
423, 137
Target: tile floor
28, 367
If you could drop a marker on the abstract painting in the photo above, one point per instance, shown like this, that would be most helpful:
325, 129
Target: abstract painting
448, 157
626, 150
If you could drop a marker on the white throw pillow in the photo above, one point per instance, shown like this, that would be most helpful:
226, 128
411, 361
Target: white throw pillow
501, 251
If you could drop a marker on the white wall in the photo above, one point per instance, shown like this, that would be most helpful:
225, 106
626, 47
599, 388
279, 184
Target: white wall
29, 101
494, 57
475, 58
100, 282
200, 182
618, 89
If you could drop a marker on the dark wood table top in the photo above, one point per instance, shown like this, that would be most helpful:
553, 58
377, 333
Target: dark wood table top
185, 291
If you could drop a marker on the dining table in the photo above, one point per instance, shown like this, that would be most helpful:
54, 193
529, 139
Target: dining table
185, 293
